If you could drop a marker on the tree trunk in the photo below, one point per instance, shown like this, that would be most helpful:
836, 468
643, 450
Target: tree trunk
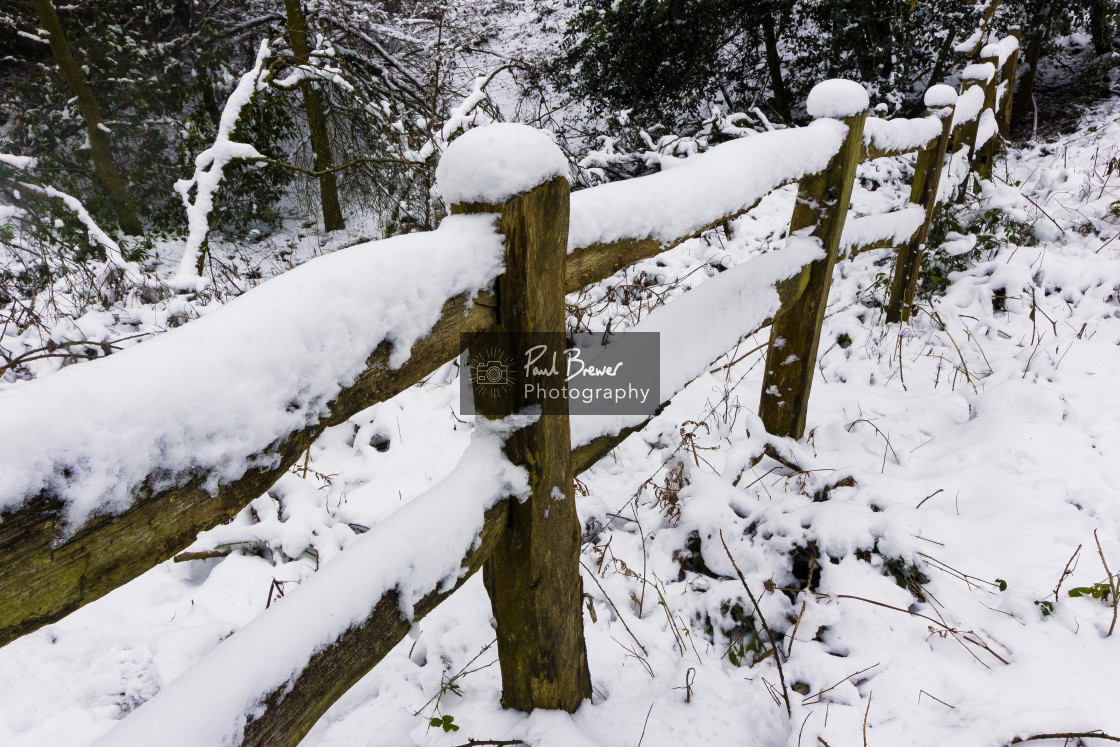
99, 148
774, 63
942, 58
316, 122
1023, 100
1098, 23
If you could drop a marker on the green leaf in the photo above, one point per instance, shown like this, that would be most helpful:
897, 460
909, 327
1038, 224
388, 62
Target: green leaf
1096, 591
1002, 584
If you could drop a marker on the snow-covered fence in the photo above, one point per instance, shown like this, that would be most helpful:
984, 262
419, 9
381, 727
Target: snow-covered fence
109, 468
972, 122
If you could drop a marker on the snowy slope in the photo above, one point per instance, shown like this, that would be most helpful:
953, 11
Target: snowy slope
978, 443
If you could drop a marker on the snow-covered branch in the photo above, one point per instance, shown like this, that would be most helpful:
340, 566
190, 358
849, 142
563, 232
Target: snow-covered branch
209, 169
113, 253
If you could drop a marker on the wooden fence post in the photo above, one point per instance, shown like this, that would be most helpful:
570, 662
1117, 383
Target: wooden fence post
1010, 75
986, 154
965, 134
940, 102
822, 206
532, 576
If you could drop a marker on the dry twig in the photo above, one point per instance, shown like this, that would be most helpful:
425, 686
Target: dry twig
1112, 584
769, 633
616, 612
1067, 735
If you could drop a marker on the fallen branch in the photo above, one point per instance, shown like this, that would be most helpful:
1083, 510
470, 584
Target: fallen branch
1067, 735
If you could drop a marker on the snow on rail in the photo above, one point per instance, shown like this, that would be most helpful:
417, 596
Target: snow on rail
207, 705
896, 226
729, 178
277, 645
741, 299
969, 104
901, 135
208, 397
1003, 49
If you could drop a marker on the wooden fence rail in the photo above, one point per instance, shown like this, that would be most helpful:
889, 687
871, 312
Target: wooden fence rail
529, 548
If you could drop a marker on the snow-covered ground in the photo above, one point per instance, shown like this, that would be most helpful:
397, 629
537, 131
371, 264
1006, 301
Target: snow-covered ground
953, 468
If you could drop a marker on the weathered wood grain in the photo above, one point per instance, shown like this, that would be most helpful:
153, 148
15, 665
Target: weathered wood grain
532, 576
791, 356
908, 261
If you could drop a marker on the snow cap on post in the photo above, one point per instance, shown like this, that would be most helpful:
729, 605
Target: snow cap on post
494, 163
837, 98
940, 95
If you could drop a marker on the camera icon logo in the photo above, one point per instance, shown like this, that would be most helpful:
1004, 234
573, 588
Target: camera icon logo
491, 371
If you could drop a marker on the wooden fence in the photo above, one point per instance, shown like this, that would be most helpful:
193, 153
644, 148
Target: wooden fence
528, 549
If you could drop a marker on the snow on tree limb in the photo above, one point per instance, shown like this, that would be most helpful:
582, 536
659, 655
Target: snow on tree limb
462, 117
113, 253
18, 162
209, 169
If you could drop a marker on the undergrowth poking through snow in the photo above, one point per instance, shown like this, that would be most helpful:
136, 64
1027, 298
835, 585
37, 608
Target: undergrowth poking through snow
912, 559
